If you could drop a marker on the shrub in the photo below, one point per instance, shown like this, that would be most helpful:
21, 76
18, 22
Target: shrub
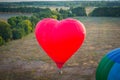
5, 30
1, 41
17, 33
13, 21
26, 25
34, 21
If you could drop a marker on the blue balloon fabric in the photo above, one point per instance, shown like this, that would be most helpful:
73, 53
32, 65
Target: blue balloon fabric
109, 66
114, 55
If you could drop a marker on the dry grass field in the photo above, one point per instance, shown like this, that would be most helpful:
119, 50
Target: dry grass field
23, 59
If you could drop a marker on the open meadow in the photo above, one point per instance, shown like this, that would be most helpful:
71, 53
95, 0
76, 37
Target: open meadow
23, 59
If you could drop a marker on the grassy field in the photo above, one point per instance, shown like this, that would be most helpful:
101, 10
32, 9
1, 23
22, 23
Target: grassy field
23, 59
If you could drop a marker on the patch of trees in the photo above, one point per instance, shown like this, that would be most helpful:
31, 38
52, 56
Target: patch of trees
19, 26
79, 11
106, 12
14, 28
47, 14
72, 12
65, 13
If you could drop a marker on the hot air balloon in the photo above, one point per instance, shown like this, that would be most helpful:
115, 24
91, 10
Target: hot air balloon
60, 39
109, 66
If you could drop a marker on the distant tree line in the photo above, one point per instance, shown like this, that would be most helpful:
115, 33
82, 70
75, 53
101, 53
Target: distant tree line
106, 12
78, 11
73, 11
62, 3
23, 9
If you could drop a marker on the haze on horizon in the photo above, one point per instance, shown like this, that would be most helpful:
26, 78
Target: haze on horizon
51, 0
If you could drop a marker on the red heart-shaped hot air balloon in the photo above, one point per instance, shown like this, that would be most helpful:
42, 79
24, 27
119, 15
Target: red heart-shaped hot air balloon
60, 39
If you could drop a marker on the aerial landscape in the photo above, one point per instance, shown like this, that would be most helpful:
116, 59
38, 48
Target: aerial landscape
21, 57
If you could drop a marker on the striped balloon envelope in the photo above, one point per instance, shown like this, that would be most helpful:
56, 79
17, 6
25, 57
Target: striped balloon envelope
109, 66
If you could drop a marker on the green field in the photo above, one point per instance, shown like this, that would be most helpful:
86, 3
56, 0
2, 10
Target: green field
23, 59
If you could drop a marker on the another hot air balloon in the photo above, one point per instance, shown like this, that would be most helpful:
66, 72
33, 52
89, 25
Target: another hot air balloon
109, 66
60, 39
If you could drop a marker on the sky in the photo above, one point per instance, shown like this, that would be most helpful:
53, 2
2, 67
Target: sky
52, 0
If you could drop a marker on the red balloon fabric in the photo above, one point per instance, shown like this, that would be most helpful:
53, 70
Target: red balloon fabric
60, 39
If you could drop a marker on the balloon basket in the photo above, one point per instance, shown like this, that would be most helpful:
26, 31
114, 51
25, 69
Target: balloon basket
60, 71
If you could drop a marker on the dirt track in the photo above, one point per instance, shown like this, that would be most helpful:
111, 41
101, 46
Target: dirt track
24, 60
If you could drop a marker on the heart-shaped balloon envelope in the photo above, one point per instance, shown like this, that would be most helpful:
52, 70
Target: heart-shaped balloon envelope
60, 39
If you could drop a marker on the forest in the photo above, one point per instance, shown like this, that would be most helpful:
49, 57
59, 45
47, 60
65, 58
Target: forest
18, 26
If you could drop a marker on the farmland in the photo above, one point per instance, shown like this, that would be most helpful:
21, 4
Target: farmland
23, 59
5, 16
